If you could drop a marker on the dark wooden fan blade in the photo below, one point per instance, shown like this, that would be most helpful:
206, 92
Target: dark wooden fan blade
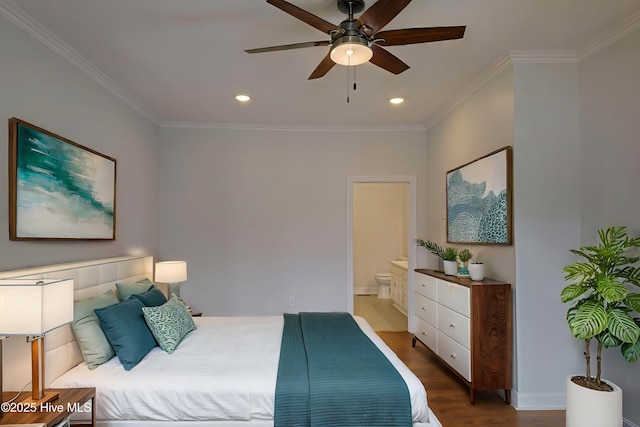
381, 13
304, 16
288, 46
386, 60
419, 35
323, 68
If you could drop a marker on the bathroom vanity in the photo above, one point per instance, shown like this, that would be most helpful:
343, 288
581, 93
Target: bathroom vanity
399, 285
467, 325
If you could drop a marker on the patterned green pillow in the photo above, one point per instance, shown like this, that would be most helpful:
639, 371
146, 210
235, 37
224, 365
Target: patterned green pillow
169, 323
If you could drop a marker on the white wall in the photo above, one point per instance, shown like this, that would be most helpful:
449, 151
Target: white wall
547, 225
379, 230
482, 124
260, 215
610, 144
574, 128
38, 86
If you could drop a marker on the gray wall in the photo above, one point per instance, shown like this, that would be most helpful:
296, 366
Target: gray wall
574, 128
261, 215
610, 169
547, 225
38, 86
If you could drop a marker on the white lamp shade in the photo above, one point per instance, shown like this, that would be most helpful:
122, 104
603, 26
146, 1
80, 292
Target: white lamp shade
34, 306
350, 51
171, 271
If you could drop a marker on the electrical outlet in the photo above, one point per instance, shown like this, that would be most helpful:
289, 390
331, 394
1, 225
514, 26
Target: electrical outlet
292, 301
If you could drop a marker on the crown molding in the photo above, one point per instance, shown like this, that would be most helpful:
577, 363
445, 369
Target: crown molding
624, 28
630, 24
294, 128
24, 21
543, 57
19, 17
501, 64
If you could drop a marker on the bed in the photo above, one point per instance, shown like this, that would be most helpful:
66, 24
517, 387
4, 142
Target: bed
222, 374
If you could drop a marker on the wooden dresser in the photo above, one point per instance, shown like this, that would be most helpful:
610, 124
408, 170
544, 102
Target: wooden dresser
467, 325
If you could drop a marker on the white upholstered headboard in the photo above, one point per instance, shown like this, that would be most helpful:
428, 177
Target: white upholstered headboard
91, 278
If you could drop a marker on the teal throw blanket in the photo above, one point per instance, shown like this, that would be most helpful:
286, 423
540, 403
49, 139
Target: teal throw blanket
331, 375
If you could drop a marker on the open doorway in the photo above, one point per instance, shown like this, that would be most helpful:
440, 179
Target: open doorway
381, 250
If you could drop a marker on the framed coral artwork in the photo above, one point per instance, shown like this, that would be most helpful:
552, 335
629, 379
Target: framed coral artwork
479, 200
58, 189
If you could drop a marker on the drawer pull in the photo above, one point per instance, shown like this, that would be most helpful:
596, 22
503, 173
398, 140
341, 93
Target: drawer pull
424, 308
453, 356
452, 325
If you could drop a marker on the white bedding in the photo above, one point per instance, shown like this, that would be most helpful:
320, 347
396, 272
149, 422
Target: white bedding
224, 370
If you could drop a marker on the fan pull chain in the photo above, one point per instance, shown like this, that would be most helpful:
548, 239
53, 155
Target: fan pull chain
354, 79
348, 83
355, 85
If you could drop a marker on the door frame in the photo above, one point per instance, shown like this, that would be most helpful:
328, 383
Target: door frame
412, 205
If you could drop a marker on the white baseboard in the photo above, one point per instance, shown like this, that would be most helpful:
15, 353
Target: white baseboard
538, 402
365, 290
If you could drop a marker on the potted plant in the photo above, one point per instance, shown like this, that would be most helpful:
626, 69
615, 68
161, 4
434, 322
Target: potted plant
476, 270
449, 255
464, 256
602, 312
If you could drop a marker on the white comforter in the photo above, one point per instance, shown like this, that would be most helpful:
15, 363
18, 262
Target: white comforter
224, 370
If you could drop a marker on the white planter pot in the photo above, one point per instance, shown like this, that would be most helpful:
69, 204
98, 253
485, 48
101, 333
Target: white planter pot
450, 267
476, 271
593, 408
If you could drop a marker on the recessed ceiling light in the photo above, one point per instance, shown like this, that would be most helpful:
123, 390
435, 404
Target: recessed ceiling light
243, 98
396, 100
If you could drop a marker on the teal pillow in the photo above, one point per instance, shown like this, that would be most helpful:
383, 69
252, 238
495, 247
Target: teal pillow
151, 298
169, 323
93, 343
127, 331
126, 290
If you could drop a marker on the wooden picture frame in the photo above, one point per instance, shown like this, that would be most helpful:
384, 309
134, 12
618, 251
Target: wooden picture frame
58, 189
479, 200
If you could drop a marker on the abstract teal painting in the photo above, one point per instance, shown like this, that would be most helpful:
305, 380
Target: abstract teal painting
479, 200
59, 189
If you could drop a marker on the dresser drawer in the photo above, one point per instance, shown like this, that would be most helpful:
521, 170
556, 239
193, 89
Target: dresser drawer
454, 296
427, 334
458, 357
455, 325
426, 285
426, 308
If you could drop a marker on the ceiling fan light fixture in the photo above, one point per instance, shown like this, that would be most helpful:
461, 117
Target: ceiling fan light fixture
350, 51
243, 98
397, 100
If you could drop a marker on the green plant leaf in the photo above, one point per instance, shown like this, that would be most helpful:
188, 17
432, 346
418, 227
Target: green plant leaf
609, 340
633, 301
611, 290
631, 351
465, 255
432, 247
572, 292
623, 326
450, 254
589, 320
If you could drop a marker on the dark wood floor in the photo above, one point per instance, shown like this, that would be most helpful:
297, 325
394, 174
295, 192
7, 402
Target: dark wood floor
449, 398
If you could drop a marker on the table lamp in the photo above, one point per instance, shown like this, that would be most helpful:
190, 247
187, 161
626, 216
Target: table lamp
33, 307
172, 273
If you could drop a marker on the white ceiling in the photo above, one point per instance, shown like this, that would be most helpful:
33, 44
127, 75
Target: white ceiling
183, 61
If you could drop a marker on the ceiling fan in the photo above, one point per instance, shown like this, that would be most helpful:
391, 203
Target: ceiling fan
356, 41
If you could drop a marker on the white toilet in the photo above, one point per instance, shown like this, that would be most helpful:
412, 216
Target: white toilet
384, 285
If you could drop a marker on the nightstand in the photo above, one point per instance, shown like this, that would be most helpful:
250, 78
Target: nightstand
70, 400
